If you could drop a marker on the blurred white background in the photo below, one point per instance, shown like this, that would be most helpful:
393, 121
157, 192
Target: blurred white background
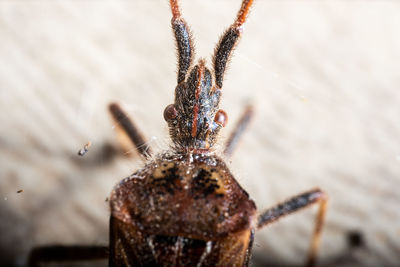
323, 75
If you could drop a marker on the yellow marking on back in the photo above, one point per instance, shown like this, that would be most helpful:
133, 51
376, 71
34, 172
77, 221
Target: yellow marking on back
159, 172
215, 175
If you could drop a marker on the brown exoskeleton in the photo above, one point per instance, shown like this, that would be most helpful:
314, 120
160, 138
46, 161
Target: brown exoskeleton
185, 208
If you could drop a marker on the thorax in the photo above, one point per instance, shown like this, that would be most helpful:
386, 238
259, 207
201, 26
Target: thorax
184, 195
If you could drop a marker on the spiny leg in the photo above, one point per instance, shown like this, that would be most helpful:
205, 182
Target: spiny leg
130, 129
238, 131
295, 204
184, 41
227, 43
48, 254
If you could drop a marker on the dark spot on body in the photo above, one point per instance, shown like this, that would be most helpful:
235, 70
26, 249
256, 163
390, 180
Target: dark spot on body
203, 185
167, 183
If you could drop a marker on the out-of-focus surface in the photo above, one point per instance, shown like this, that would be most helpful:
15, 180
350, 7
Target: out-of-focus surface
324, 78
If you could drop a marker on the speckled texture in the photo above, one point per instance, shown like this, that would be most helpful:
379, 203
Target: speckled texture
193, 197
196, 102
189, 195
323, 76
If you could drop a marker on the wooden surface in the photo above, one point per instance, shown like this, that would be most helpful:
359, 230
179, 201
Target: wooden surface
324, 77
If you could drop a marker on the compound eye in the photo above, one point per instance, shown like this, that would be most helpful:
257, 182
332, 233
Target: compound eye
170, 112
221, 118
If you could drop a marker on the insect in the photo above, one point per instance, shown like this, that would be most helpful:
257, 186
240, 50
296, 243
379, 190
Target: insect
185, 208
85, 149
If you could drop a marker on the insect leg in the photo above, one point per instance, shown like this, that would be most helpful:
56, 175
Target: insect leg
130, 129
295, 204
66, 253
184, 41
238, 131
227, 43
